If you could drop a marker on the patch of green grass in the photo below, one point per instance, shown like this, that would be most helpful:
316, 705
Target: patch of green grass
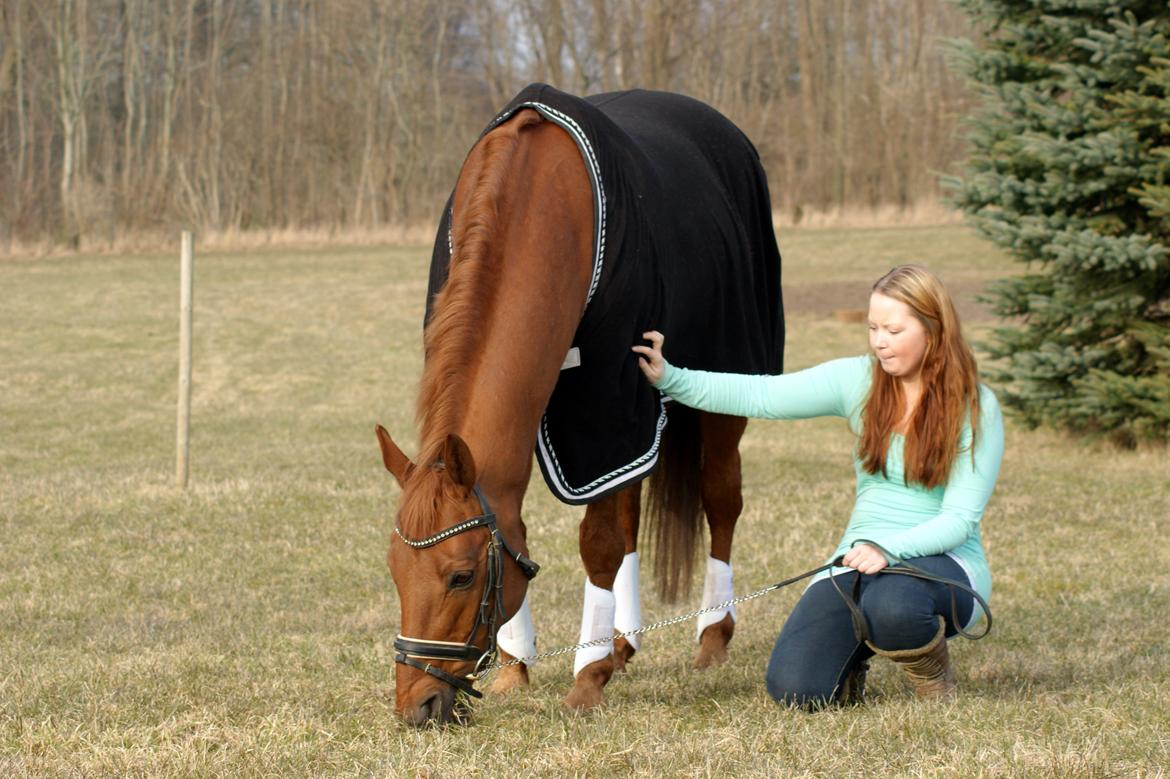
244, 627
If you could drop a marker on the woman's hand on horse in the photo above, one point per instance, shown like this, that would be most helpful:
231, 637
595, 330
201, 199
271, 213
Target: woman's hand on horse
651, 362
865, 559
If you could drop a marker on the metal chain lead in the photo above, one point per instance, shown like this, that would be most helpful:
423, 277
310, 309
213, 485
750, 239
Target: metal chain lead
645, 628
908, 570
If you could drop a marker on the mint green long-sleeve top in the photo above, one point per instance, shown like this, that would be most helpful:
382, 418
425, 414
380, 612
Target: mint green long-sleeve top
907, 519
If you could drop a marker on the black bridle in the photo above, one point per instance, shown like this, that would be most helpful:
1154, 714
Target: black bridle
413, 651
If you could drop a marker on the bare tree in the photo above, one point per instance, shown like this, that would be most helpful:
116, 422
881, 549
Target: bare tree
132, 114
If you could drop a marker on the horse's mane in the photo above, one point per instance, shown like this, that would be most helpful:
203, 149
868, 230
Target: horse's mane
455, 331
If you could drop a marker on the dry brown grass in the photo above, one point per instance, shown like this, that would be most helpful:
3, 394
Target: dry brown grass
245, 627
235, 240
922, 214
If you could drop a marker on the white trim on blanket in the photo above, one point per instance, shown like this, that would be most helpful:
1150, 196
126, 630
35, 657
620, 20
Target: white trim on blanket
627, 474
592, 167
637, 469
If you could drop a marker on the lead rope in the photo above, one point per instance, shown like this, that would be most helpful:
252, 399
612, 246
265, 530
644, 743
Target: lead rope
656, 625
906, 569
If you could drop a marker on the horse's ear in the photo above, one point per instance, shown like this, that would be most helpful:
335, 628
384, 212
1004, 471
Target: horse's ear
396, 462
458, 462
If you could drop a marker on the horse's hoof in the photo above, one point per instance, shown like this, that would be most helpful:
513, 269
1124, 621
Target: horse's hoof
582, 699
623, 651
514, 677
587, 688
713, 644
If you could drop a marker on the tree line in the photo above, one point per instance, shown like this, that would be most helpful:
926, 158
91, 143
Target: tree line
125, 115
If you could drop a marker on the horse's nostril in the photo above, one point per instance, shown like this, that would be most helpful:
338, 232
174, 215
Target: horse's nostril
434, 707
426, 712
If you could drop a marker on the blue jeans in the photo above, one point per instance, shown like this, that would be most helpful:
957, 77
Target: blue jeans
817, 649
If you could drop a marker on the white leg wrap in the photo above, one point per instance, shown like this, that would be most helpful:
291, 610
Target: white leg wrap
716, 589
596, 622
517, 636
628, 614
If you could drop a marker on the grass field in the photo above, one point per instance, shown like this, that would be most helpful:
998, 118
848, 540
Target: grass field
244, 627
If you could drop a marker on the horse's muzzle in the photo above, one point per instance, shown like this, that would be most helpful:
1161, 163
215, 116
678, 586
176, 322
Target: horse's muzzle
436, 709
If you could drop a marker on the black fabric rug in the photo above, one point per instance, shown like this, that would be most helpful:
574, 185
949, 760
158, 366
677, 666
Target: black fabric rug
683, 243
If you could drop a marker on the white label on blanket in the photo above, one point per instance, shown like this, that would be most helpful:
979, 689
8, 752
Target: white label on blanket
572, 359
596, 622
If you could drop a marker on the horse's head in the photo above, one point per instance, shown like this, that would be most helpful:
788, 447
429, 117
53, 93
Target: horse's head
455, 586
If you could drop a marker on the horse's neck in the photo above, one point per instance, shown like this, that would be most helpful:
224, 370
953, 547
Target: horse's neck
520, 360
541, 267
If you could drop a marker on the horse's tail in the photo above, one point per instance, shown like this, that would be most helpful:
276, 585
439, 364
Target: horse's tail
674, 505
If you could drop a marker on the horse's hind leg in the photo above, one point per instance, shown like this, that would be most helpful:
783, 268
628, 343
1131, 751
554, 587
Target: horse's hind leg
602, 550
721, 487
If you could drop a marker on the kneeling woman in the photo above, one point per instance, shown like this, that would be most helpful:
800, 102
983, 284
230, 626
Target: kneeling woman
930, 441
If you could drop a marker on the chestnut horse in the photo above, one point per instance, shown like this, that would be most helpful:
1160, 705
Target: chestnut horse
494, 345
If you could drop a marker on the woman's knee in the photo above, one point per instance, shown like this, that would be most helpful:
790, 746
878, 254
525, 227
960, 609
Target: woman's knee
816, 643
795, 687
798, 695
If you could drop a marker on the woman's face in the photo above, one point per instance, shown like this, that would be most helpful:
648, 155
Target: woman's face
896, 336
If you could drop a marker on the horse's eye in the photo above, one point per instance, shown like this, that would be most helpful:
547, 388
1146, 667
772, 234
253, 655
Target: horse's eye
461, 580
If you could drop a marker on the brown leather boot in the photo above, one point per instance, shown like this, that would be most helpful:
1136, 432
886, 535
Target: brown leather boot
853, 688
928, 667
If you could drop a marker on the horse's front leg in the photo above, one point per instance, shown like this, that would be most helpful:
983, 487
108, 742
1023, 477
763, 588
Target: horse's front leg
516, 639
721, 487
602, 550
626, 590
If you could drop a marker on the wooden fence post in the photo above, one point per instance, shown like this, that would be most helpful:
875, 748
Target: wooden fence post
187, 262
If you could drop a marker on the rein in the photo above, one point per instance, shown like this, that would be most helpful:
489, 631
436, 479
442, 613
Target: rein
903, 568
412, 651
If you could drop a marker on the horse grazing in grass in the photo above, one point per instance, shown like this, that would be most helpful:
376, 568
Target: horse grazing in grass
575, 225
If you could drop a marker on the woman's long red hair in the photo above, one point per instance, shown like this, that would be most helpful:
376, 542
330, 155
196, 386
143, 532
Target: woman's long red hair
950, 386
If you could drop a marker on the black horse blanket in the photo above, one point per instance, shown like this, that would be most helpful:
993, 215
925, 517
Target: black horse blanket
683, 243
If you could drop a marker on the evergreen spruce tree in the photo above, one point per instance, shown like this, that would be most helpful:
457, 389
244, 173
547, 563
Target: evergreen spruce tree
1070, 173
